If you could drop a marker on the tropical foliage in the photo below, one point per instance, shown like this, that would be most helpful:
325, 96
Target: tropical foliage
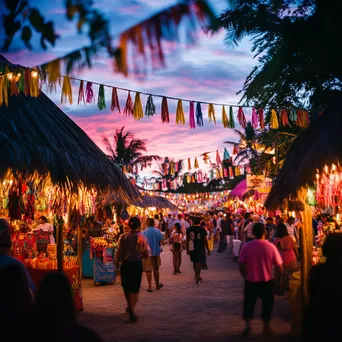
128, 151
144, 40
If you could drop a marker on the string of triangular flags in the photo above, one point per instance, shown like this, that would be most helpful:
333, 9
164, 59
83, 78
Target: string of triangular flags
26, 80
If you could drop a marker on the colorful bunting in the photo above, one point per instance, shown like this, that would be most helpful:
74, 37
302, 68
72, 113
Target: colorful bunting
137, 109
284, 118
89, 92
254, 118
231, 118
226, 154
274, 120
261, 118
180, 119
192, 116
199, 115
128, 110
66, 90
81, 96
196, 166
189, 164
27, 77
211, 113
34, 84
206, 158
218, 159
242, 118
302, 118
293, 115
225, 121
101, 101
150, 109
115, 101
165, 111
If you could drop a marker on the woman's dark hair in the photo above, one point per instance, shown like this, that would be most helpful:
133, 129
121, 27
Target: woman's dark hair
178, 228
203, 224
196, 220
281, 231
43, 218
332, 247
156, 216
54, 298
247, 216
258, 230
134, 223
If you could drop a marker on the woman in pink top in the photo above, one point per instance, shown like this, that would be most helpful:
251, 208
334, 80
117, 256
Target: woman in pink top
177, 237
288, 250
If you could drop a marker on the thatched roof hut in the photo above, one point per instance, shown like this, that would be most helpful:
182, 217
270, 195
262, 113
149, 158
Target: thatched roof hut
319, 145
159, 202
37, 138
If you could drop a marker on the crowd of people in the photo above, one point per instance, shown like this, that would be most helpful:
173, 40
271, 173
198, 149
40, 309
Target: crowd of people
267, 253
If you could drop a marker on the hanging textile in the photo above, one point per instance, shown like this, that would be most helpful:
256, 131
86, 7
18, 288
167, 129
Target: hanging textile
205, 158
89, 93
225, 121
242, 118
180, 119
254, 118
165, 111
199, 115
225, 172
235, 150
284, 118
274, 120
150, 108
101, 101
261, 118
231, 172
129, 105
211, 113
196, 166
137, 108
226, 154
231, 118
189, 164
115, 101
192, 115
172, 168
66, 90
81, 96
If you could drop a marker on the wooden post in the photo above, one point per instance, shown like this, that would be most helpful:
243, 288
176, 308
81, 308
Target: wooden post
60, 243
79, 248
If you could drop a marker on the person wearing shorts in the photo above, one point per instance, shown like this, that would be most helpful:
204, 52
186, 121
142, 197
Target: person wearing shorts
151, 264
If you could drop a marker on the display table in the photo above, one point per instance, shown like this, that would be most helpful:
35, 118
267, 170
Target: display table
104, 271
73, 275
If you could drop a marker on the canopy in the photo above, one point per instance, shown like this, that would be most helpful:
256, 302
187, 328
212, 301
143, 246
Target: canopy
38, 140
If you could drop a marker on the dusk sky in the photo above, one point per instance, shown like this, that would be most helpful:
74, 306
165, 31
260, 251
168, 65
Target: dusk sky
207, 71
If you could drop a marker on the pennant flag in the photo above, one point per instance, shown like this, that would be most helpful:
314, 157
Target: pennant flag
211, 113
225, 121
189, 164
150, 108
81, 96
101, 102
235, 150
231, 118
231, 172
254, 118
128, 110
180, 119
293, 115
115, 100
53, 70
205, 158
302, 118
165, 111
284, 118
199, 115
242, 118
192, 115
66, 90
137, 109
218, 159
225, 173
274, 120
226, 154
34, 84
196, 164
13, 86
89, 92
27, 76
172, 168
261, 118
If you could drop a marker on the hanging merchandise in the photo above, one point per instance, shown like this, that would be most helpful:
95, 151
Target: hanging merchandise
137, 108
196, 166
66, 90
150, 108
101, 101
231, 172
254, 118
274, 120
242, 118
284, 118
206, 158
211, 113
172, 168
129, 105
293, 115
225, 121
302, 118
165, 111
189, 164
180, 119
199, 114
225, 173
115, 100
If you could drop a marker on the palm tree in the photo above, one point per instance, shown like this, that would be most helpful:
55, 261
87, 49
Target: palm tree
247, 149
126, 150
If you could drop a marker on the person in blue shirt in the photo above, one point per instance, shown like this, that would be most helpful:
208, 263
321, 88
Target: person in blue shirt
154, 238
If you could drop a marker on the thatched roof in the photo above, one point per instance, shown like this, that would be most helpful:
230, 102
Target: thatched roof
158, 202
36, 137
320, 144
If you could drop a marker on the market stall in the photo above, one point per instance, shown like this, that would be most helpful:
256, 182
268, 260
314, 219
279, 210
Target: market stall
48, 168
317, 148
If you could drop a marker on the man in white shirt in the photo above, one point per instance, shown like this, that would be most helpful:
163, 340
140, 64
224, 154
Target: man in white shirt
290, 226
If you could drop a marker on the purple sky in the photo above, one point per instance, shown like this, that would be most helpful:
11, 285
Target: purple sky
208, 71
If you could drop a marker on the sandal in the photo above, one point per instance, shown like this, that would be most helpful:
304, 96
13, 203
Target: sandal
150, 290
160, 286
